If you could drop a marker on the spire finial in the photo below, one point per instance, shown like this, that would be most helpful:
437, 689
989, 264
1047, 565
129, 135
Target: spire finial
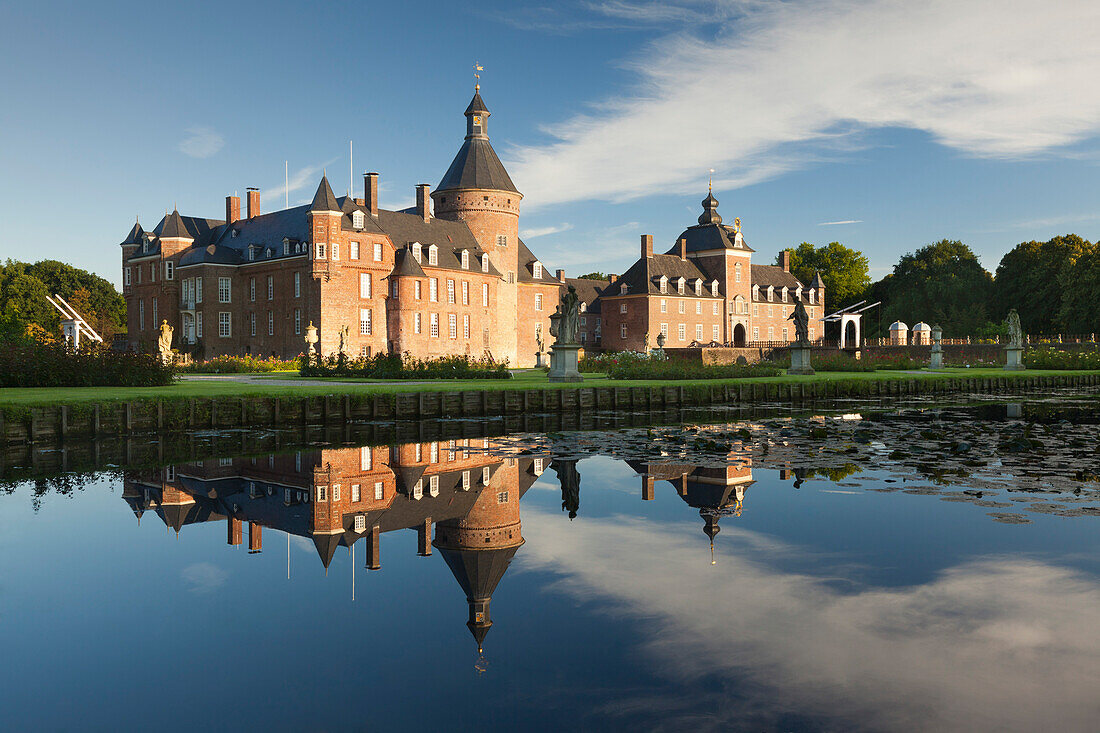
477, 75
712, 560
710, 182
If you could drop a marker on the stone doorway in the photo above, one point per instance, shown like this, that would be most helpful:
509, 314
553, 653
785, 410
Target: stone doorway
739, 335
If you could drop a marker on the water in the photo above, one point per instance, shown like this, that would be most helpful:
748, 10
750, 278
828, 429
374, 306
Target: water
710, 579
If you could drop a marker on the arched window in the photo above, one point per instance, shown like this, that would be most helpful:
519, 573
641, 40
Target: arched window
664, 284
433, 255
465, 259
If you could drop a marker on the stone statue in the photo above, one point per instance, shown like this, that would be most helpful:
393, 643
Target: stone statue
343, 341
538, 339
311, 337
164, 342
555, 324
570, 480
570, 310
801, 323
1015, 331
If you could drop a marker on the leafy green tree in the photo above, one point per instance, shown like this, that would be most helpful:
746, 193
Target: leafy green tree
593, 276
843, 269
1029, 279
942, 283
106, 308
1080, 285
24, 307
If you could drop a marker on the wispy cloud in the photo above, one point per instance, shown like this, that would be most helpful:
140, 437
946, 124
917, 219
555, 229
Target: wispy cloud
776, 85
544, 231
202, 577
301, 179
201, 142
836, 223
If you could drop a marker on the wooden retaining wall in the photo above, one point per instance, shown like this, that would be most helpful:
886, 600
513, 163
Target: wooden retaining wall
61, 423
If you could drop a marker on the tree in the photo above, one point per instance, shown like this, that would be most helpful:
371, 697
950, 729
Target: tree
942, 283
1080, 285
106, 309
1030, 279
593, 276
25, 308
843, 269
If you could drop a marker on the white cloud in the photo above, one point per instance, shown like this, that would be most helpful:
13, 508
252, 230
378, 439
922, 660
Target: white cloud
782, 84
301, 179
995, 644
201, 142
202, 577
837, 223
544, 231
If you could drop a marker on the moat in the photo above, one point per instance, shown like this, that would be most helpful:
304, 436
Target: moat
910, 566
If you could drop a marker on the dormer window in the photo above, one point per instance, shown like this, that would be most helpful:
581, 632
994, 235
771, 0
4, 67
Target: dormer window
784, 293
798, 293
698, 286
664, 284
537, 270
416, 252
485, 263
357, 219
433, 255
286, 246
465, 259
771, 293
680, 286
756, 292
622, 290
251, 252
584, 307
714, 288
267, 253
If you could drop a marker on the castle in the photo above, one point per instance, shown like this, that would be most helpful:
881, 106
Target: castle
449, 276
448, 279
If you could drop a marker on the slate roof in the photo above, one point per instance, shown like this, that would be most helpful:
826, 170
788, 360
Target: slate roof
173, 226
775, 276
644, 277
135, 235
324, 199
710, 233
201, 230
477, 105
588, 291
527, 262
476, 166
817, 281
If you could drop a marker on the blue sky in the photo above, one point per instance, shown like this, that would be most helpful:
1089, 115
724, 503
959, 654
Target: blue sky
972, 120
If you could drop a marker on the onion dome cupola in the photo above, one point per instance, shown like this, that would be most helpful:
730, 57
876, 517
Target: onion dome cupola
476, 166
710, 213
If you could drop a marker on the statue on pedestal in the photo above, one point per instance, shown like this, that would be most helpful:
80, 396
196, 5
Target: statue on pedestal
801, 323
311, 338
564, 325
343, 350
1014, 350
164, 342
800, 349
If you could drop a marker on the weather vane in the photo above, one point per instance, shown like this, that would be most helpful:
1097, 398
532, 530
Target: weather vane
710, 182
477, 75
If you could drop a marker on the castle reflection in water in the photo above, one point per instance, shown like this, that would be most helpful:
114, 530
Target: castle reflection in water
461, 496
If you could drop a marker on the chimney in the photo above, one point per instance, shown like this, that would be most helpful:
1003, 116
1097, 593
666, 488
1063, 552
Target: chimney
647, 245
422, 202
612, 278
424, 538
232, 209
683, 249
234, 533
370, 192
255, 538
253, 202
786, 260
374, 555
648, 488
561, 276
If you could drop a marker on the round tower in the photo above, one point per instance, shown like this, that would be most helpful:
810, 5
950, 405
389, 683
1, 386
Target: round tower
477, 190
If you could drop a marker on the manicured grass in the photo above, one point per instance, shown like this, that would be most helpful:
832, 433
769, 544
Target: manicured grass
532, 379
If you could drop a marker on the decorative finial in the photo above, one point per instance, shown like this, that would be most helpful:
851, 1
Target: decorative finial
712, 560
478, 68
737, 224
710, 182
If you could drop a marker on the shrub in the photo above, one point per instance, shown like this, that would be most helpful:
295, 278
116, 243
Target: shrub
92, 365
894, 361
685, 369
829, 362
1049, 357
604, 362
403, 366
239, 364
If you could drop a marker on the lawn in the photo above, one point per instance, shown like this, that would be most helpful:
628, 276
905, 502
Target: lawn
531, 379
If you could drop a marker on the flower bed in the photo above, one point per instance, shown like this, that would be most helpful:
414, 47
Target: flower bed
828, 363
1049, 357
239, 364
602, 363
684, 369
403, 366
92, 365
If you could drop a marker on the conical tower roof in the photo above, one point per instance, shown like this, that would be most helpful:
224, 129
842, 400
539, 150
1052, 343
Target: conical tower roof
476, 165
325, 199
135, 235
174, 228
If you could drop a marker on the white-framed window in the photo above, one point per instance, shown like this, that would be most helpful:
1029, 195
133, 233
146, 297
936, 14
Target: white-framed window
756, 333
366, 458
225, 327
485, 473
198, 289
537, 465
396, 287
536, 270
771, 333
297, 285
360, 519
433, 452
698, 331
622, 330
485, 294
465, 259
270, 287
418, 489
756, 309
538, 301
714, 308
320, 251
198, 325
418, 450
126, 275
433, 485
336, 492
485, 263
433, 255
322, 493
416, 290
335, 251
451, 291
714, 288
416, 323
664, 305
379, 491
433, 290
251, 290
169, 270
252, 324
465, 480
270, 323
698, 307
225, 290
297, 320
502, 497
664, 330
353, 247
737, 272
364, 285
433, 325
452, 325
465, 292
141, 315
502, 240
366, 325
664, 284
377, 251
417, 252
465, 325
622, 308
680, 286
510, 278
680, 306
785, 337
714, 332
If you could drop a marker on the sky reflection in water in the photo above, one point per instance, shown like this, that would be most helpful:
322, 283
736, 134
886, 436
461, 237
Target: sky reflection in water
825, 607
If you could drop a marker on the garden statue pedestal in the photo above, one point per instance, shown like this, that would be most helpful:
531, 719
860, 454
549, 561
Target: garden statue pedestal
937, 348
539, 363
800, 359
563, 363
1014, 359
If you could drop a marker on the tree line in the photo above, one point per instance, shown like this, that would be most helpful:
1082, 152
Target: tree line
26, 313
1053, 285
